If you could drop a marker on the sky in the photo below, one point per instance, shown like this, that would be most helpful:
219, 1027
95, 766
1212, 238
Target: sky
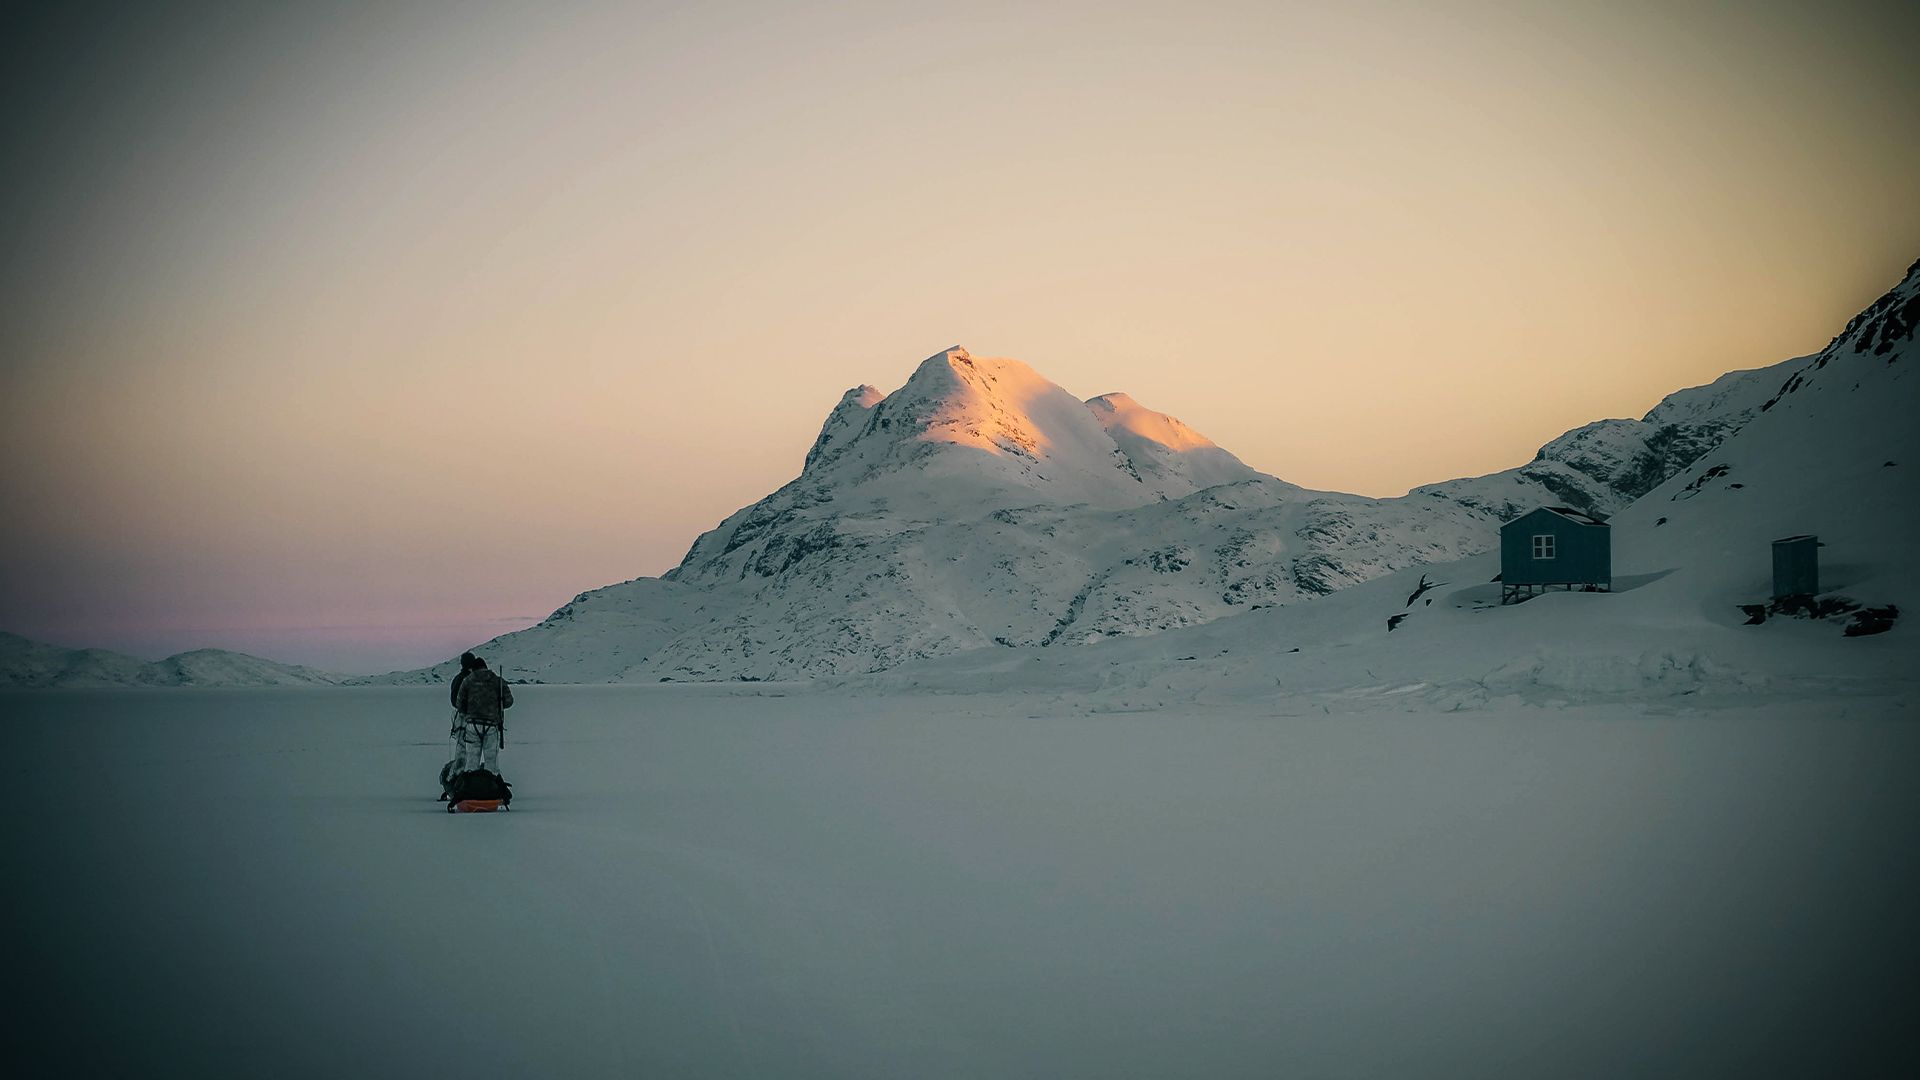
352, 334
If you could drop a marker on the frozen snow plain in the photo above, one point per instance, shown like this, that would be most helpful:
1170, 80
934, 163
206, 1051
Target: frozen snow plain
786, 881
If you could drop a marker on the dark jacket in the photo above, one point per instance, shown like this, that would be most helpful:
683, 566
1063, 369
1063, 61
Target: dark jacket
483, 697
454, 694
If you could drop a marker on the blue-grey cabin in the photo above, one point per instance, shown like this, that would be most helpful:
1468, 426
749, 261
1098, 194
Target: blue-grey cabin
1554, 548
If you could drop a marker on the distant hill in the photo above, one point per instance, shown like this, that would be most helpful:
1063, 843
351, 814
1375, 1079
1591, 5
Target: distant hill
27, 664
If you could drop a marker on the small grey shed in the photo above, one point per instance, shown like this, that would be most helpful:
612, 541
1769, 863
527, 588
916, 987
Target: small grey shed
1554, 547
1796, 566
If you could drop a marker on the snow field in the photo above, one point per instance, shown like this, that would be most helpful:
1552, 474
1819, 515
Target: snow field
778, 881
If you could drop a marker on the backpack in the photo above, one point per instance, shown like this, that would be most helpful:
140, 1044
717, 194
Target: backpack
484, 698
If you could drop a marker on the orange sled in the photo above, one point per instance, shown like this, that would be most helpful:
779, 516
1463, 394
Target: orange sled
477, 791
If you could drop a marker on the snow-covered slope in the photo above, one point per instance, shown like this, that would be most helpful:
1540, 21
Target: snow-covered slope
1832, 452
32, 664
1164, 453
980, 505
1600, 467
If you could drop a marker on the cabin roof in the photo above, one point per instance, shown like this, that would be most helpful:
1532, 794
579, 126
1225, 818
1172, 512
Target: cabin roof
1569, 513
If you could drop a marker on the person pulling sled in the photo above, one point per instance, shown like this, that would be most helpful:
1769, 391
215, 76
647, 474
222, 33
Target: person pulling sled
471, 781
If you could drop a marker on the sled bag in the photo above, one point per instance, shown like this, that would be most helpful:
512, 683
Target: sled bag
478, 786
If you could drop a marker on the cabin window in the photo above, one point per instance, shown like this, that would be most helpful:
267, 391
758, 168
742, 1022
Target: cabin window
1543, 547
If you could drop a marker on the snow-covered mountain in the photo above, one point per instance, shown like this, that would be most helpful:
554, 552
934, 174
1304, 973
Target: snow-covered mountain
981, 505
1829, 450
27, 664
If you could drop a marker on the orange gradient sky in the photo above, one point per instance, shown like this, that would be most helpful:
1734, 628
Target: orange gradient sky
352, 335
